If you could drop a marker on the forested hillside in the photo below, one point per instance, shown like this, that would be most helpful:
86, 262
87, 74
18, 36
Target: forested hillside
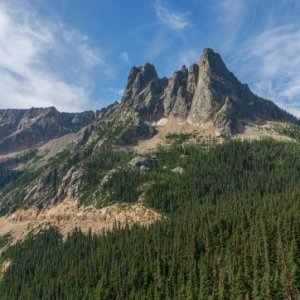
231, 231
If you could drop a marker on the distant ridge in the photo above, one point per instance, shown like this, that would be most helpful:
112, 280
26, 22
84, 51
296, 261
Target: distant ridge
25, 128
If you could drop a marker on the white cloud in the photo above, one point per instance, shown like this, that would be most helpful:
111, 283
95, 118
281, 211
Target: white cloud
174, 20
276, 54
80, 42
232, 16
189, 56
118, 92
232, 11
42, 63
126, 58
160, 43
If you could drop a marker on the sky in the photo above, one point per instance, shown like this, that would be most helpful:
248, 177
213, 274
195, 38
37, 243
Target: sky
76, 54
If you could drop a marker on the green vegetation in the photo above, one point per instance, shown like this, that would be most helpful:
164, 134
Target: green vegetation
178, 138
289, 129
96, 166
18, 159
7, 174
232, 231
4, 240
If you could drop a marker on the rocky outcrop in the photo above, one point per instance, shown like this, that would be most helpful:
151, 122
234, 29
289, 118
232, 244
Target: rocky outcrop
207, 92
143, 92
139, 163
21, 129
69, 186
178, 170
49, 188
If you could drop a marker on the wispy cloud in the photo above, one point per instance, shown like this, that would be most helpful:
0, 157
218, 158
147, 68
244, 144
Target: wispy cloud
42, 63
126, 58
117, 92
276, 54
80, 42
189, 56
232, 11
174, 20
231, 15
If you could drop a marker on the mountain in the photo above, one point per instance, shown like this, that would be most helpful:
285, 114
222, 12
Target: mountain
205, 103
201, 93
205, 100
158, 196
21, 129
207, 93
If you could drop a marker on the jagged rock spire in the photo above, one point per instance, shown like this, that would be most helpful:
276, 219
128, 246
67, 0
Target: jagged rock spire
138, 79
207, 92
212, 63
143, 91
215, 84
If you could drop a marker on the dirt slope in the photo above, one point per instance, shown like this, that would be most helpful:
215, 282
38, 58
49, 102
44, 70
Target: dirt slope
67, 216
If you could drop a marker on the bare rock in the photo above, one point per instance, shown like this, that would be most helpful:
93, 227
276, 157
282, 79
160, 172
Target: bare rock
69, 186
143, 92
108, 177
139, 163
178, 170
175, 91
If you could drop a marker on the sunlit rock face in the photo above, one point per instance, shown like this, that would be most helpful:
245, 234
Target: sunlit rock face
204, 92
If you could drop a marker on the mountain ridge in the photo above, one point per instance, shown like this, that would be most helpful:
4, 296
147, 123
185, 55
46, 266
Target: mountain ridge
21, 129
204, 92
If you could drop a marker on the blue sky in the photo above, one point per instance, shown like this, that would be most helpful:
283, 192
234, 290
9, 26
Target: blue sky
76, 54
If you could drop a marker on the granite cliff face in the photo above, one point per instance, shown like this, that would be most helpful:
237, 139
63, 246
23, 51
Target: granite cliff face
204, 92
198, 94
25, 128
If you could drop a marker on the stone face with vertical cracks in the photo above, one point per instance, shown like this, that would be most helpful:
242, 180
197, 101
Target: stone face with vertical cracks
207, 92
143, 92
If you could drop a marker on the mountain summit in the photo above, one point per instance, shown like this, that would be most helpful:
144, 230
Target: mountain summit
205, 95
198, 94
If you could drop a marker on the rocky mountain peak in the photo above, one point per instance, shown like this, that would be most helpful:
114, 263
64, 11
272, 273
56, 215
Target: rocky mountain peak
148, 70
212, 58
204, 92
212, 65
143, 91
138, 79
